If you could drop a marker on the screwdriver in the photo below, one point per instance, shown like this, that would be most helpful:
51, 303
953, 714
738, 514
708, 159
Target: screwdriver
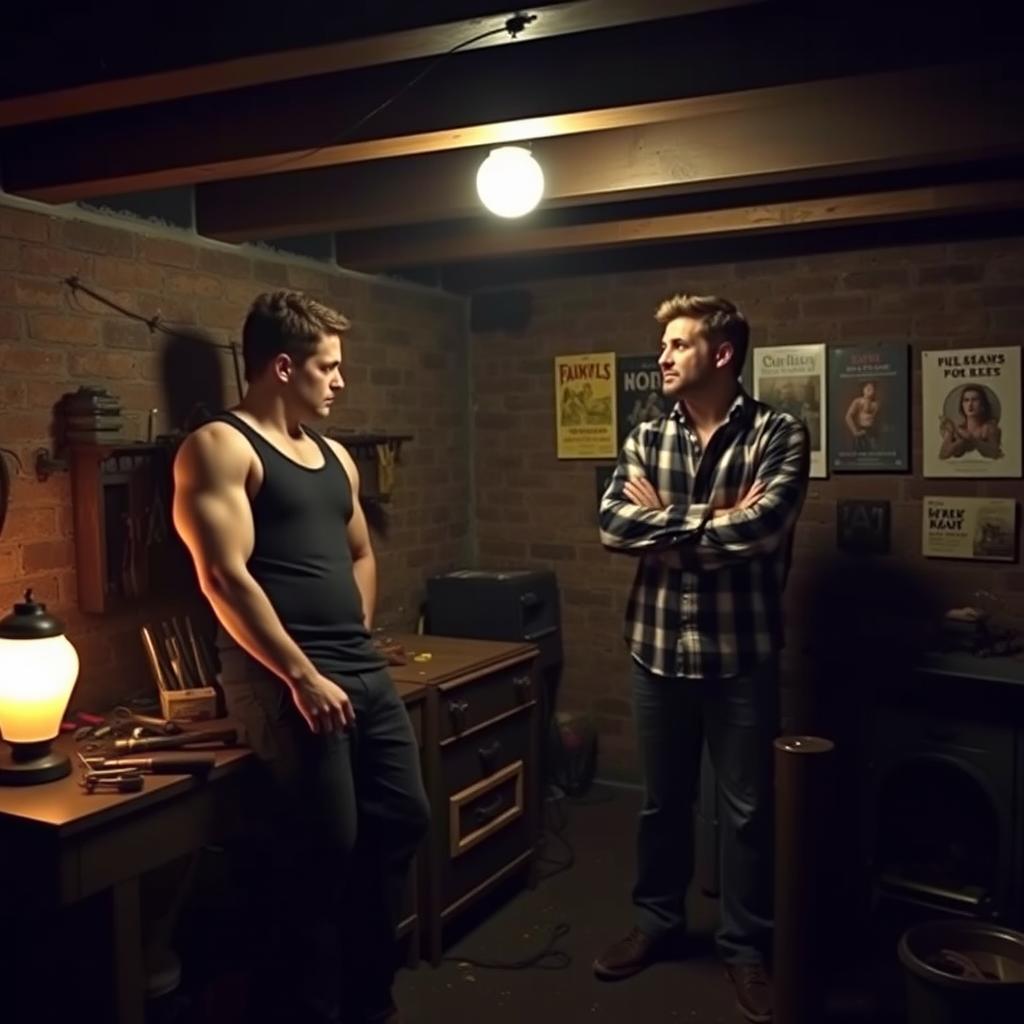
158, 764
185, 739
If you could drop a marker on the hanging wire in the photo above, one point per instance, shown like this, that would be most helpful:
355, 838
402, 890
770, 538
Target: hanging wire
154, 323
513, 26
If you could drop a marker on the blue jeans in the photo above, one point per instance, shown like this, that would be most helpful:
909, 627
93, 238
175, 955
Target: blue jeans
739, 717
346, 812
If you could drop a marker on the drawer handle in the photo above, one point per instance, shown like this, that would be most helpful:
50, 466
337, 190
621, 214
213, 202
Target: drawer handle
483, 813
502, 808
522, 685
458, 710
488, 755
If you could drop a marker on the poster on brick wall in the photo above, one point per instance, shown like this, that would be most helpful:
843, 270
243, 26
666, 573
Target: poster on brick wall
868, 399
585, 406
638, 396
978, 528
792, 379
970, 407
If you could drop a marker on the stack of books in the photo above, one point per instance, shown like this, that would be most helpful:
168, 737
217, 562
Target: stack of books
92, 415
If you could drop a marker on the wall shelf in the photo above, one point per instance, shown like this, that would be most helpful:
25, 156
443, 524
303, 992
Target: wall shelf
376, 455
121, 504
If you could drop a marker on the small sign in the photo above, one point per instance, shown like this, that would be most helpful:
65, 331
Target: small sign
980, 528
862, 527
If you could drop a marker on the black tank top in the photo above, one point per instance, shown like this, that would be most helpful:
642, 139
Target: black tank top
301, 556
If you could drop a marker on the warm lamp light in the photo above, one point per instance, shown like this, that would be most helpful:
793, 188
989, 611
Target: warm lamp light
510, 182
38, 669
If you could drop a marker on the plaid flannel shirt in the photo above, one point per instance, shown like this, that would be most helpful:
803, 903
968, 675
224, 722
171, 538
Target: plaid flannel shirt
707, 596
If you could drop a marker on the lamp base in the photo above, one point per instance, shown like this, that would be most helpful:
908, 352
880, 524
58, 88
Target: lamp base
45, 768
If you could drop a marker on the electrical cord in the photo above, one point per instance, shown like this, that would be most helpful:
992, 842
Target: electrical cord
513, 26
154, 323
557, 818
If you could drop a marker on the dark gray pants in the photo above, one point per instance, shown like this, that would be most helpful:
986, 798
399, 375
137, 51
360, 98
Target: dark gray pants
346, 812
739, 717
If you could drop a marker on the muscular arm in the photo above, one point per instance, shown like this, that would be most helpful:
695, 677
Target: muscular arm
364, 563
213, 516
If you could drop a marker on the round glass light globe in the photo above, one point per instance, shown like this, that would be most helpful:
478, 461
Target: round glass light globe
510, 181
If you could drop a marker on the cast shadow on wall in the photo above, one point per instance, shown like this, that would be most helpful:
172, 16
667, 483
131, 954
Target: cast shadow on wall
194, 380
868, 623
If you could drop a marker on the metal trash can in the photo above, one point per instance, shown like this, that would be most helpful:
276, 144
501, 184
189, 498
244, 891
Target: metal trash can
963, 972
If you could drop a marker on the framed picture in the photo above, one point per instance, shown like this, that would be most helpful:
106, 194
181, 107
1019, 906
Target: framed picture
638, 396
862, 527
970, 405
792, 378
585, 406
869, 428
978, 528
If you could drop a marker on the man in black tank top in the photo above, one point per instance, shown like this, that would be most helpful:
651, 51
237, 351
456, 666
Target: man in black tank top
270, 512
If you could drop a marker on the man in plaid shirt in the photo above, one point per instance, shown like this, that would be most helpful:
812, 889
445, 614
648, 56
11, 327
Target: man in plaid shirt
707, 498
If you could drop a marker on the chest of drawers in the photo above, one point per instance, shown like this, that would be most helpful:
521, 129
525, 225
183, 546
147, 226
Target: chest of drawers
480, 744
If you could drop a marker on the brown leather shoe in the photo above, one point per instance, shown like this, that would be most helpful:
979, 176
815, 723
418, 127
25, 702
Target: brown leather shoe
753, 991
622, 959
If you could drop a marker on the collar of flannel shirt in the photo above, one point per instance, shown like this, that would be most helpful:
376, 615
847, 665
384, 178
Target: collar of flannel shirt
742, 407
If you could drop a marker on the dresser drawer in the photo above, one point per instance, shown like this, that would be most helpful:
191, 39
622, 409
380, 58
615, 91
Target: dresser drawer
473, 758
466, 707
479, 811
479, 861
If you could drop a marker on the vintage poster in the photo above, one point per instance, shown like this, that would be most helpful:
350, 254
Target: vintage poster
585, 406
869, 428
970, 402
638, 392
982, 528
792, 378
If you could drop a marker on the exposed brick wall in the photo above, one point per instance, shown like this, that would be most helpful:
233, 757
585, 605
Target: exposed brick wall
536, 511
405, 369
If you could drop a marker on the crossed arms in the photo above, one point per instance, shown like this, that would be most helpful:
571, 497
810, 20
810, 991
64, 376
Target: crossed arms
634, 520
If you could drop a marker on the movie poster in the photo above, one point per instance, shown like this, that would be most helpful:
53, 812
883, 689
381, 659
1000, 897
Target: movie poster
869, 428
638, 392
585, 406
980, 528
792, 379
970, 401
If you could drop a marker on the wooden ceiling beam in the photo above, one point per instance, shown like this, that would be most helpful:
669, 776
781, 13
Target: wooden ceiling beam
556, 86
475, 98
889, 122
411, 44
439, 245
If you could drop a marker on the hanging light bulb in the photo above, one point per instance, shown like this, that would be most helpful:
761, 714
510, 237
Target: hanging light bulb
510, 181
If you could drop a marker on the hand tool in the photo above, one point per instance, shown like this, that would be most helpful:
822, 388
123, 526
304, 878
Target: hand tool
185, 739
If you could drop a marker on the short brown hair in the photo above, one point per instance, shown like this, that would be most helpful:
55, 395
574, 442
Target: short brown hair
288, 322
720, 321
